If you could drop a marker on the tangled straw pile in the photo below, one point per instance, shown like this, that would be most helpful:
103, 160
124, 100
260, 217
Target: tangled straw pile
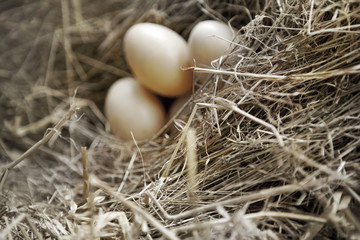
270, 149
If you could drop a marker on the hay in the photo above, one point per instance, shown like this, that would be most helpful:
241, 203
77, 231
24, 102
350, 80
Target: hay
274, 132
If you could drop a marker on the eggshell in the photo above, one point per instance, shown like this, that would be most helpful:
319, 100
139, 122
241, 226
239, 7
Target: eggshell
208, 41
129, 107
175, 108
178, 104
157, 55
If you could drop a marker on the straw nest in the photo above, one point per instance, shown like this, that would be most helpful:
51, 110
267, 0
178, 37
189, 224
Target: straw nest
269, 149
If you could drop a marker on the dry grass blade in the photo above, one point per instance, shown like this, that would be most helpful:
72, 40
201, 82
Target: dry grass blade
137, 210
191, 164
178, 145
86, 187
246, 198
6, 231
46, 138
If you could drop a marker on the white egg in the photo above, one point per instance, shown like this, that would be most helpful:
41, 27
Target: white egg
179, 104
208, 41
176, 106
129, 107
157, 56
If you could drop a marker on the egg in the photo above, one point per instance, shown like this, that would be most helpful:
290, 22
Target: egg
208, 41
129, 107
158, 56
174, 109
178, 104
